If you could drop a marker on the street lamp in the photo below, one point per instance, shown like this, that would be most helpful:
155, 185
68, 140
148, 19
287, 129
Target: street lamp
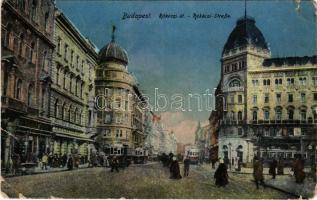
248, 140
229, 155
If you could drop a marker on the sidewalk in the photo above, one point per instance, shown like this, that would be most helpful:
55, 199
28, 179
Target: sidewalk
285, 183
288, 184
39, 170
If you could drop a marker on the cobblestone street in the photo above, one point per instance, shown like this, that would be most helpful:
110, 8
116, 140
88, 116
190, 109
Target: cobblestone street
138, 181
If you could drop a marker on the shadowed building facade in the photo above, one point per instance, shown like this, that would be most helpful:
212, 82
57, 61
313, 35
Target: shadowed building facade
270, 103
72, 90
27, 47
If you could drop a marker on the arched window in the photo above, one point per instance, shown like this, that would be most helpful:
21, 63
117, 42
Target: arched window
240, 116
290, 114
235, 83
56, 110
18, 88
255, 115
303, 114
278, 114
232, 116
266, 115
30, 95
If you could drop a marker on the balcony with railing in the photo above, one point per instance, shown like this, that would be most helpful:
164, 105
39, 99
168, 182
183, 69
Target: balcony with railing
289, 121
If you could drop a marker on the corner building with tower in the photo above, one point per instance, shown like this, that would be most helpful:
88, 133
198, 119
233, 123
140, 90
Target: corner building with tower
268, 104
120, 117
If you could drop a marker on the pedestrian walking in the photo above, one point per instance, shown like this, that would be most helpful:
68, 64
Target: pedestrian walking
186, 166
258, 172
280, 166
44, 161
272, 169
221, 174
70, 163
174, 169
114, 164
298, 169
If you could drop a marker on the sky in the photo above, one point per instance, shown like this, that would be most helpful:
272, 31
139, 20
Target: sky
182, 56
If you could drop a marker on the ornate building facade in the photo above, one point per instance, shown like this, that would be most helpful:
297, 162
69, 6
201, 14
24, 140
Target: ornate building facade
72, 90
269, 103
26, 58
120, 113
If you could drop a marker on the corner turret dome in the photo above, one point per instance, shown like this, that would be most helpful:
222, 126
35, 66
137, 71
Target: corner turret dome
245, 33
113, 52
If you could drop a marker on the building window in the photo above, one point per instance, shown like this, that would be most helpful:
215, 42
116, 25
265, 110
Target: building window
290, 114
71, 57
30, 95
314, 81
303, 115
59, 43
21, 45
18, 88
65, 51
46, 21
255, 116
108, 118
266, 98
278, 98
232, 99
303, 97
31, 52
255, 99
302, 81
239, 98
33, 10
266, 115
315, 96
232, 116
82, 66
234, 83
77, 62
63, 112
64, 79
56, 109
255, 83
107, 133
278, 115
81, 90
267, 82
278, 81
240, 116
290, 81
290, 98
240, 131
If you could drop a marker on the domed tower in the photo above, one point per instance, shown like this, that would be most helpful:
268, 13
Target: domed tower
244, 51
114, 89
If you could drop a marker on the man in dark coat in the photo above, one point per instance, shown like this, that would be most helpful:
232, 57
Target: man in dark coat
70, 163
258, 172
186, 166
280, 166
221, 174
299, 171
273, 166
114, 164
174, 169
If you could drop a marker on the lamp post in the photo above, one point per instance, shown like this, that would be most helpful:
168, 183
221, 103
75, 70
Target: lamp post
229, 155
312, 160
248, 152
